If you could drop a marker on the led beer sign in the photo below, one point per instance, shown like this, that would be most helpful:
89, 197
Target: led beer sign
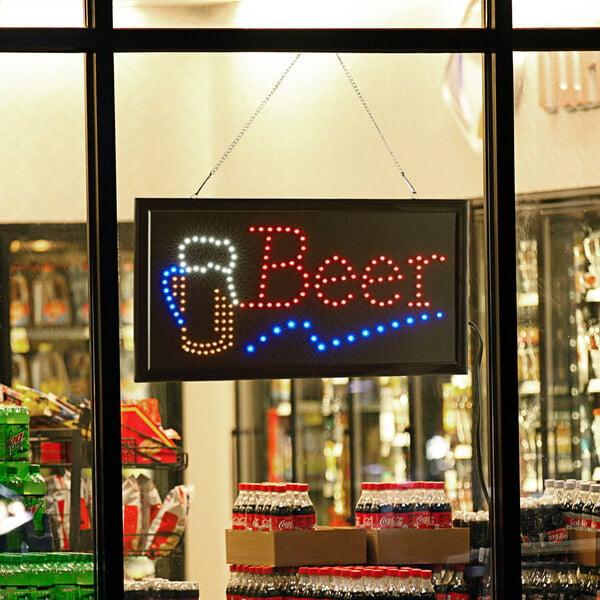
252, 289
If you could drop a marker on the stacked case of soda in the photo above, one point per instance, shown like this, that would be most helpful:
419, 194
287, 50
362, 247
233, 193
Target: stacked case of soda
18, 477
414, 505
273, 507
161, 589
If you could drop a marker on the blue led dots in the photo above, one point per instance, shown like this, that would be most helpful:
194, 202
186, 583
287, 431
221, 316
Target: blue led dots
250, 348
276, 330
439, 314
424, 317
262, 338
306, 324
314, 338
335, 342
321, 347
365, 333
291, 324
395, 324
380, 328
351, 337
410, 320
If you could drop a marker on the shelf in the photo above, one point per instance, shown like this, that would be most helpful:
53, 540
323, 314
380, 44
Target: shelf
52, 334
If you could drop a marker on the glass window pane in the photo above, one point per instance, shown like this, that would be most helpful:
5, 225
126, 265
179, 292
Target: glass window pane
46, 450
558, 213
37, 13
580, 13
307, 14
313, 138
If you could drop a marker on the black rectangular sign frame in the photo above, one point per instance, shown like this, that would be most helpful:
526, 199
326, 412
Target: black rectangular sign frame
169, 232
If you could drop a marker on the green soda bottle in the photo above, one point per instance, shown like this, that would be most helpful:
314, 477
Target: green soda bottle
41, 575
14, 483
34, 496
16, 433
85, 576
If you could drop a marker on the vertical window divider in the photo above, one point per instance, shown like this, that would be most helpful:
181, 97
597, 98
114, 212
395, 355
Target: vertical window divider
500, 217
104, 301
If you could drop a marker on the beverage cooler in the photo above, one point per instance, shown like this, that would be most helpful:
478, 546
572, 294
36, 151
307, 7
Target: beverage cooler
335, 433
45, 366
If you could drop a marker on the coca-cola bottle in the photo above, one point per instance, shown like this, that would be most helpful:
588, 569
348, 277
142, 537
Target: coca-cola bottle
421, 519
251, 501
232, 591
581, 493
427, 591
457, 588
588, 510
385, 508
238, 512
262, 511
402, 591
281, 512
440, 510
554, 526
404, 508
305, 516
374, 586
567, 502
359, 510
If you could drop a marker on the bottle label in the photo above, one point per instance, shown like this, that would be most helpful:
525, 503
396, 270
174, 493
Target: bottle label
358, 519
458, 596
558, 535
55, 312
404, 520
17, 441
422, 520
441, 520
440, 596
256, 521
238, 520
265, 523
19, 314
282, 523
308, 521
385, 520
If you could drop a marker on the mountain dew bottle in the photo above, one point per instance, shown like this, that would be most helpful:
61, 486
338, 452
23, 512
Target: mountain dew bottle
41, 575
14, 432
34, 496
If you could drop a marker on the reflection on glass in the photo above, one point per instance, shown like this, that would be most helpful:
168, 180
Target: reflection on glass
555, 13
557, 302
289, 14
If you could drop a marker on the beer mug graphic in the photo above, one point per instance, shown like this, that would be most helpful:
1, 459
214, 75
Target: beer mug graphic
175, 284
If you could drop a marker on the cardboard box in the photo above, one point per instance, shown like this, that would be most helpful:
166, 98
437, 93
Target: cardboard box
418, 546
324, 546
584, 547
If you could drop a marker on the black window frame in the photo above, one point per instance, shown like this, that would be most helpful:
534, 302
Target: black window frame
495, 41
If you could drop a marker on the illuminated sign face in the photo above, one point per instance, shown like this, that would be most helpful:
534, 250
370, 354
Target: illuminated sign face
253, 289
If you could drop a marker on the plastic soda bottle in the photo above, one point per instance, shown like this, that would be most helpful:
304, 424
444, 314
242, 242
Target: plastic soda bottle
85, 576
14, 433
13, 482
34, 496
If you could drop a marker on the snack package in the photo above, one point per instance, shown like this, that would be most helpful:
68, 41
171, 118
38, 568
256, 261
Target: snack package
150, 501
168, 525
58, 506
132, 514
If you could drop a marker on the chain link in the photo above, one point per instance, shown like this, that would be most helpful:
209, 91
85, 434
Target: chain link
356, 89
255, 114
249, 122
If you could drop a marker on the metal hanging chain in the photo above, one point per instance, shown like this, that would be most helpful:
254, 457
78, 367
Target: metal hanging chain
249, 122
355, 87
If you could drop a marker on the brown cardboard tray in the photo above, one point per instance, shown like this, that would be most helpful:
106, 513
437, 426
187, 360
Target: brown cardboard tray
324, 546
418, 546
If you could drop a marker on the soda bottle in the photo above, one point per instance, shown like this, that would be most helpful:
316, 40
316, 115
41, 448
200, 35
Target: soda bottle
51, 298
14, 483
262, 512
360, 509
427, 592
421, 518
251, 518
385, 513
568, 500
591, 521
282, 515
484, 588
305, 516
231, 590
14, 432
401, 591
238, 511
457, 588
34, 496
369, 507
440, 510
